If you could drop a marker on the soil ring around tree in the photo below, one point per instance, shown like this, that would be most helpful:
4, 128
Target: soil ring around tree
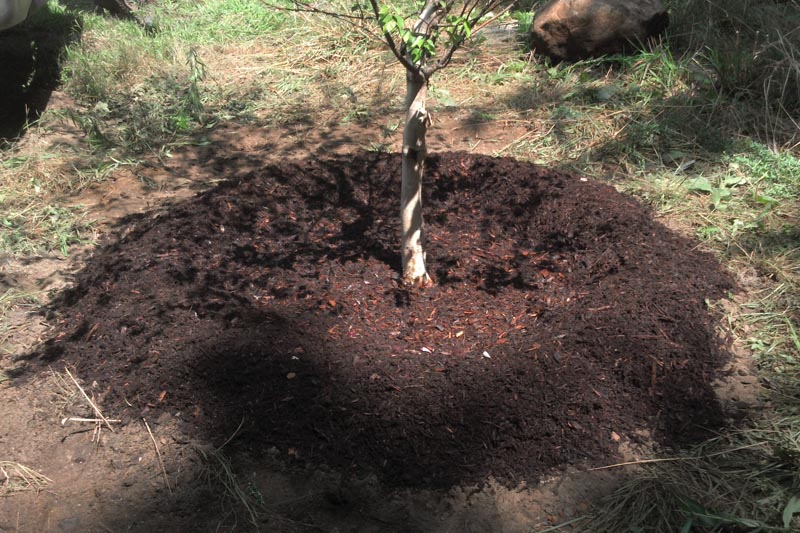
265, 315
562, 315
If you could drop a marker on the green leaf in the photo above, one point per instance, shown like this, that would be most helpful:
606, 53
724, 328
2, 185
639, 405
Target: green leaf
732, 181
606, 93
767, 200
700, 184
718, 194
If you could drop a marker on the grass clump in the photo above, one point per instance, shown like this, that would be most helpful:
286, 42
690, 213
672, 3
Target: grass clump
32, 220
208, 62
749, 52
10, 299
742, 481
15, 477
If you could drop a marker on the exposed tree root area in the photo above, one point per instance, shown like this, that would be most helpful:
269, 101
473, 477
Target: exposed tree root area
266, 314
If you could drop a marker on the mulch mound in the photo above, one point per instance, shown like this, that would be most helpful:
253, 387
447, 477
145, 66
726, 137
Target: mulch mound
563, 317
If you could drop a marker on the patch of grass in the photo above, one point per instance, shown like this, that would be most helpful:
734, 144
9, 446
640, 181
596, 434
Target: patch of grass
34, 217
10, 299
221, 479
15, 477
65, 396
769, 326
143, 89
744, 480
15, 298
773, 173
214, 61
750, 53
35, 228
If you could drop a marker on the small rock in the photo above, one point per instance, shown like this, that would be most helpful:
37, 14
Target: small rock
69, 524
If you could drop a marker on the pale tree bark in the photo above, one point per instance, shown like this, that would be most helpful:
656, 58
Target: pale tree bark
416, 53
442, 26
414, 152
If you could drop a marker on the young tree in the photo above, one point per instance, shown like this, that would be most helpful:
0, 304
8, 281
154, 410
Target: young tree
423, 40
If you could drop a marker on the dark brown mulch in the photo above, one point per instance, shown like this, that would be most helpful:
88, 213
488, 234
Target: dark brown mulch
562, 316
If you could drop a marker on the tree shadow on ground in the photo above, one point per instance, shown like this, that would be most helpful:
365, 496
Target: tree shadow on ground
30, 56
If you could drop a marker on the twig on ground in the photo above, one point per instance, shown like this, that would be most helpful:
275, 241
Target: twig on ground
518, 140
158, 454
233, 436
565, 524
678, 459
91, 403
96, 420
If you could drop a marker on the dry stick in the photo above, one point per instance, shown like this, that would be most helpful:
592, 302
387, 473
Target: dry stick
28, 475
77, 419
96, 409
676, 459
236, 432
519, 140
158, 454
512, 143
644, 462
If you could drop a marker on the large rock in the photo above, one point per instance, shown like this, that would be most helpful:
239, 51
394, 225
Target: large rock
579, 29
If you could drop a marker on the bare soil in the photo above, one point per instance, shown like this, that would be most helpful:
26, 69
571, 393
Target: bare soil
567, 329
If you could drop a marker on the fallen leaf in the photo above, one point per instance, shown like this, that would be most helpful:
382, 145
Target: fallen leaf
162, 396
615, 437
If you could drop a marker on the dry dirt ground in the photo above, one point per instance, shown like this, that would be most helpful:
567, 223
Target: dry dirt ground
242, 316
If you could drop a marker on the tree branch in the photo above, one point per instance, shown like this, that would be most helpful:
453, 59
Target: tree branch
472, 23
301, 6
410, 66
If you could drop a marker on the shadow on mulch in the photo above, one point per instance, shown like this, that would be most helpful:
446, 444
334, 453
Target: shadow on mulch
563, 316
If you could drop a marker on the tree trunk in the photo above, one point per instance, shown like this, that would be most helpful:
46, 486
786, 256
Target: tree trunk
414, 152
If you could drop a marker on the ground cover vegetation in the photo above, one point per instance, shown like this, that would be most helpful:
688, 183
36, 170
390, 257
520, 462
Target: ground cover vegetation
702, 126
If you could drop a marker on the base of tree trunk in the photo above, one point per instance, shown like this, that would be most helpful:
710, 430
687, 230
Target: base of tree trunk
421, 281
